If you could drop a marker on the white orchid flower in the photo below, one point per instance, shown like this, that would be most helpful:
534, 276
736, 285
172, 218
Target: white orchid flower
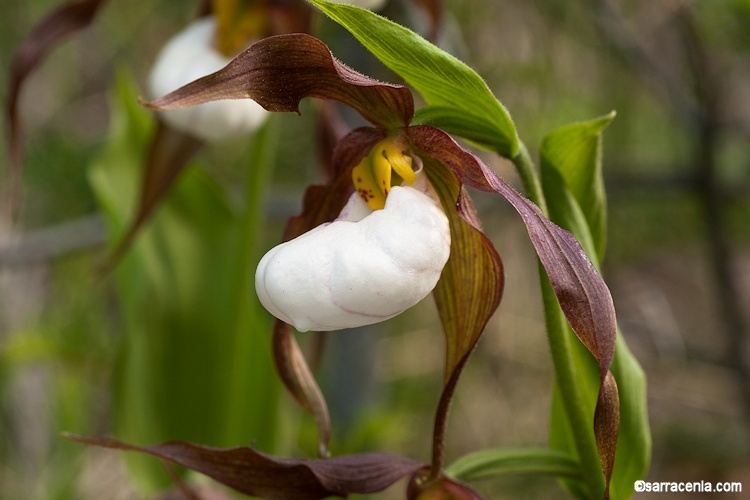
367, 266
190, 55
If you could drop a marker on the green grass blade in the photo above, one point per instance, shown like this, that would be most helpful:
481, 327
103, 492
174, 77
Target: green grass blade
498, 462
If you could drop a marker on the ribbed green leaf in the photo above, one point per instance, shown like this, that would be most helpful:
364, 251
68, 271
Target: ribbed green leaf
457, 122
634, 448
634, 443
572, 154
574, 189
442, 79
499, 462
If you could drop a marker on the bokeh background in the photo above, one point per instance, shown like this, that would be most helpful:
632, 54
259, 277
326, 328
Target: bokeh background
677, 171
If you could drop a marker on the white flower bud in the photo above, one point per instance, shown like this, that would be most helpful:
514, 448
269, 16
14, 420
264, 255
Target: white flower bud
365, 267
190, 55
365, 4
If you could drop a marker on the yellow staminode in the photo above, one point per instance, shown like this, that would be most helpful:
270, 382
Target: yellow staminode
372, 176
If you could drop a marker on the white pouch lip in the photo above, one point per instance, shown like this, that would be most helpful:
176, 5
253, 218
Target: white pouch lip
365, 267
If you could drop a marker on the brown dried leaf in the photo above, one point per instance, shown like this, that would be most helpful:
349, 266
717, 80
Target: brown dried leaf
279, 71
255, 473
57, 26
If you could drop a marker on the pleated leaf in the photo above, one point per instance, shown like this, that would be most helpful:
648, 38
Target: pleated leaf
573, 186
457, 122
573, 154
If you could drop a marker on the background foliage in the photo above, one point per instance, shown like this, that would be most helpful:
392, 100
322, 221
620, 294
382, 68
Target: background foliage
677, 172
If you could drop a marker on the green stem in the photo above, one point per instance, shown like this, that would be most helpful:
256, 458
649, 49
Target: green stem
441, 421
559, 339
581, 425
531, 182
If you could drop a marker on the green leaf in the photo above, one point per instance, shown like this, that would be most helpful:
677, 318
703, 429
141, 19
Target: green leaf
571, 158
573, 187
634, 442
197, 360
443, 80
457, 122
634, 447
499, 462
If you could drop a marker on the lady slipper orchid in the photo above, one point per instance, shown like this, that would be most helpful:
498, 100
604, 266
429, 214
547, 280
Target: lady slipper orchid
278, 72
381, 234
393, 224
379, 257
192, 54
